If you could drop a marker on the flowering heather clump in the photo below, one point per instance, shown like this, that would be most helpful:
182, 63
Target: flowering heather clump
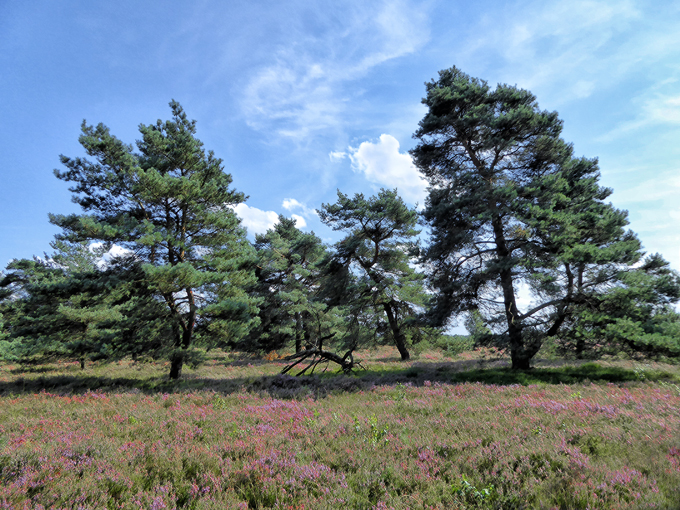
420, 443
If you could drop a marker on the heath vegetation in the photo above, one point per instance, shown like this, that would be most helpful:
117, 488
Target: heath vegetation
434, 432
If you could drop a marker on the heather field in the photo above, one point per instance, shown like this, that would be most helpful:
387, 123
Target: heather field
436, 432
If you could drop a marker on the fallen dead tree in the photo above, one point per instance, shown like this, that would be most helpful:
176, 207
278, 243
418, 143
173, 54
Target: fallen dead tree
315, 356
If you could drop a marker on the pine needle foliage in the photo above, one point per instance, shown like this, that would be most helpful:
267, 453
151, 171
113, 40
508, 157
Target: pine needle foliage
170, 205
509, 206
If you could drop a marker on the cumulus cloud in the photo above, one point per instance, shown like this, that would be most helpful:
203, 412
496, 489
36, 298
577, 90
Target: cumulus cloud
290, 204
113, 252
299, 221
118, 251
383, 164
256, 220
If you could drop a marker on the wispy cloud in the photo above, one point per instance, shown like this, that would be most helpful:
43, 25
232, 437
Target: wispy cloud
660, 187
545, 45
303, 90
654, 212
337, 155
654, 108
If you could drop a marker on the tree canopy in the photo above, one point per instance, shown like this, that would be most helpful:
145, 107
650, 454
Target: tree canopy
380, 232
288, 280
170, 205
510, 211
510, 206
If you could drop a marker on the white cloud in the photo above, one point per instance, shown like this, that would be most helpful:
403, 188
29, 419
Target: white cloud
291, 204
383, 164
118, 251
304, 92
256, 220
299, 221
113, 252
337, 155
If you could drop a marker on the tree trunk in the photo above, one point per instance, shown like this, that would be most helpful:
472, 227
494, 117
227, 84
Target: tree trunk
307, 337
184, 341
299, 333
176, 363
521, 357
177, 360
580, 347
82, 363
399, 337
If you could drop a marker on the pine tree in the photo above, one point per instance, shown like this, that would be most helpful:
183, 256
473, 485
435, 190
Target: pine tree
29, 315
170, 205
510, 206
631, 313
380, 232
65, 306
288, 282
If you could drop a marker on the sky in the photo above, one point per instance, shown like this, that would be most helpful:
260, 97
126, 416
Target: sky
302, 98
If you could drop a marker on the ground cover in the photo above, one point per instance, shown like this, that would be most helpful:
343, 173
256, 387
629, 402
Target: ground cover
436, 432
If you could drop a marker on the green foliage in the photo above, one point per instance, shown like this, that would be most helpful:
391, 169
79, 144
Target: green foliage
170, 205
452, 344
64, 308
32, 291
378, 434
633, 315
370, 270
288, 281
510, 205
473, 497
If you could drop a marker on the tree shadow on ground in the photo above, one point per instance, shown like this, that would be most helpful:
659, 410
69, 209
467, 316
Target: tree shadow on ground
324, 384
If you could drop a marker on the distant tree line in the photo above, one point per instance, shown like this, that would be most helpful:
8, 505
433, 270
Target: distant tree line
509, 208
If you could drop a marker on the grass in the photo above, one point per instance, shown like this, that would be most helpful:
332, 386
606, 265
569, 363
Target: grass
436, 432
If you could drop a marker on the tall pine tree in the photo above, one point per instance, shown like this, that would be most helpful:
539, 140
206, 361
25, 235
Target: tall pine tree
288, 281
170, 204
509, 206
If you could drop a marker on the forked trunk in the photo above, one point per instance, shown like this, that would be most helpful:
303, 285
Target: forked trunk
519, 353
522, 351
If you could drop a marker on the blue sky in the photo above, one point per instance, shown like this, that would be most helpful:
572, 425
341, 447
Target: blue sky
301, 98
